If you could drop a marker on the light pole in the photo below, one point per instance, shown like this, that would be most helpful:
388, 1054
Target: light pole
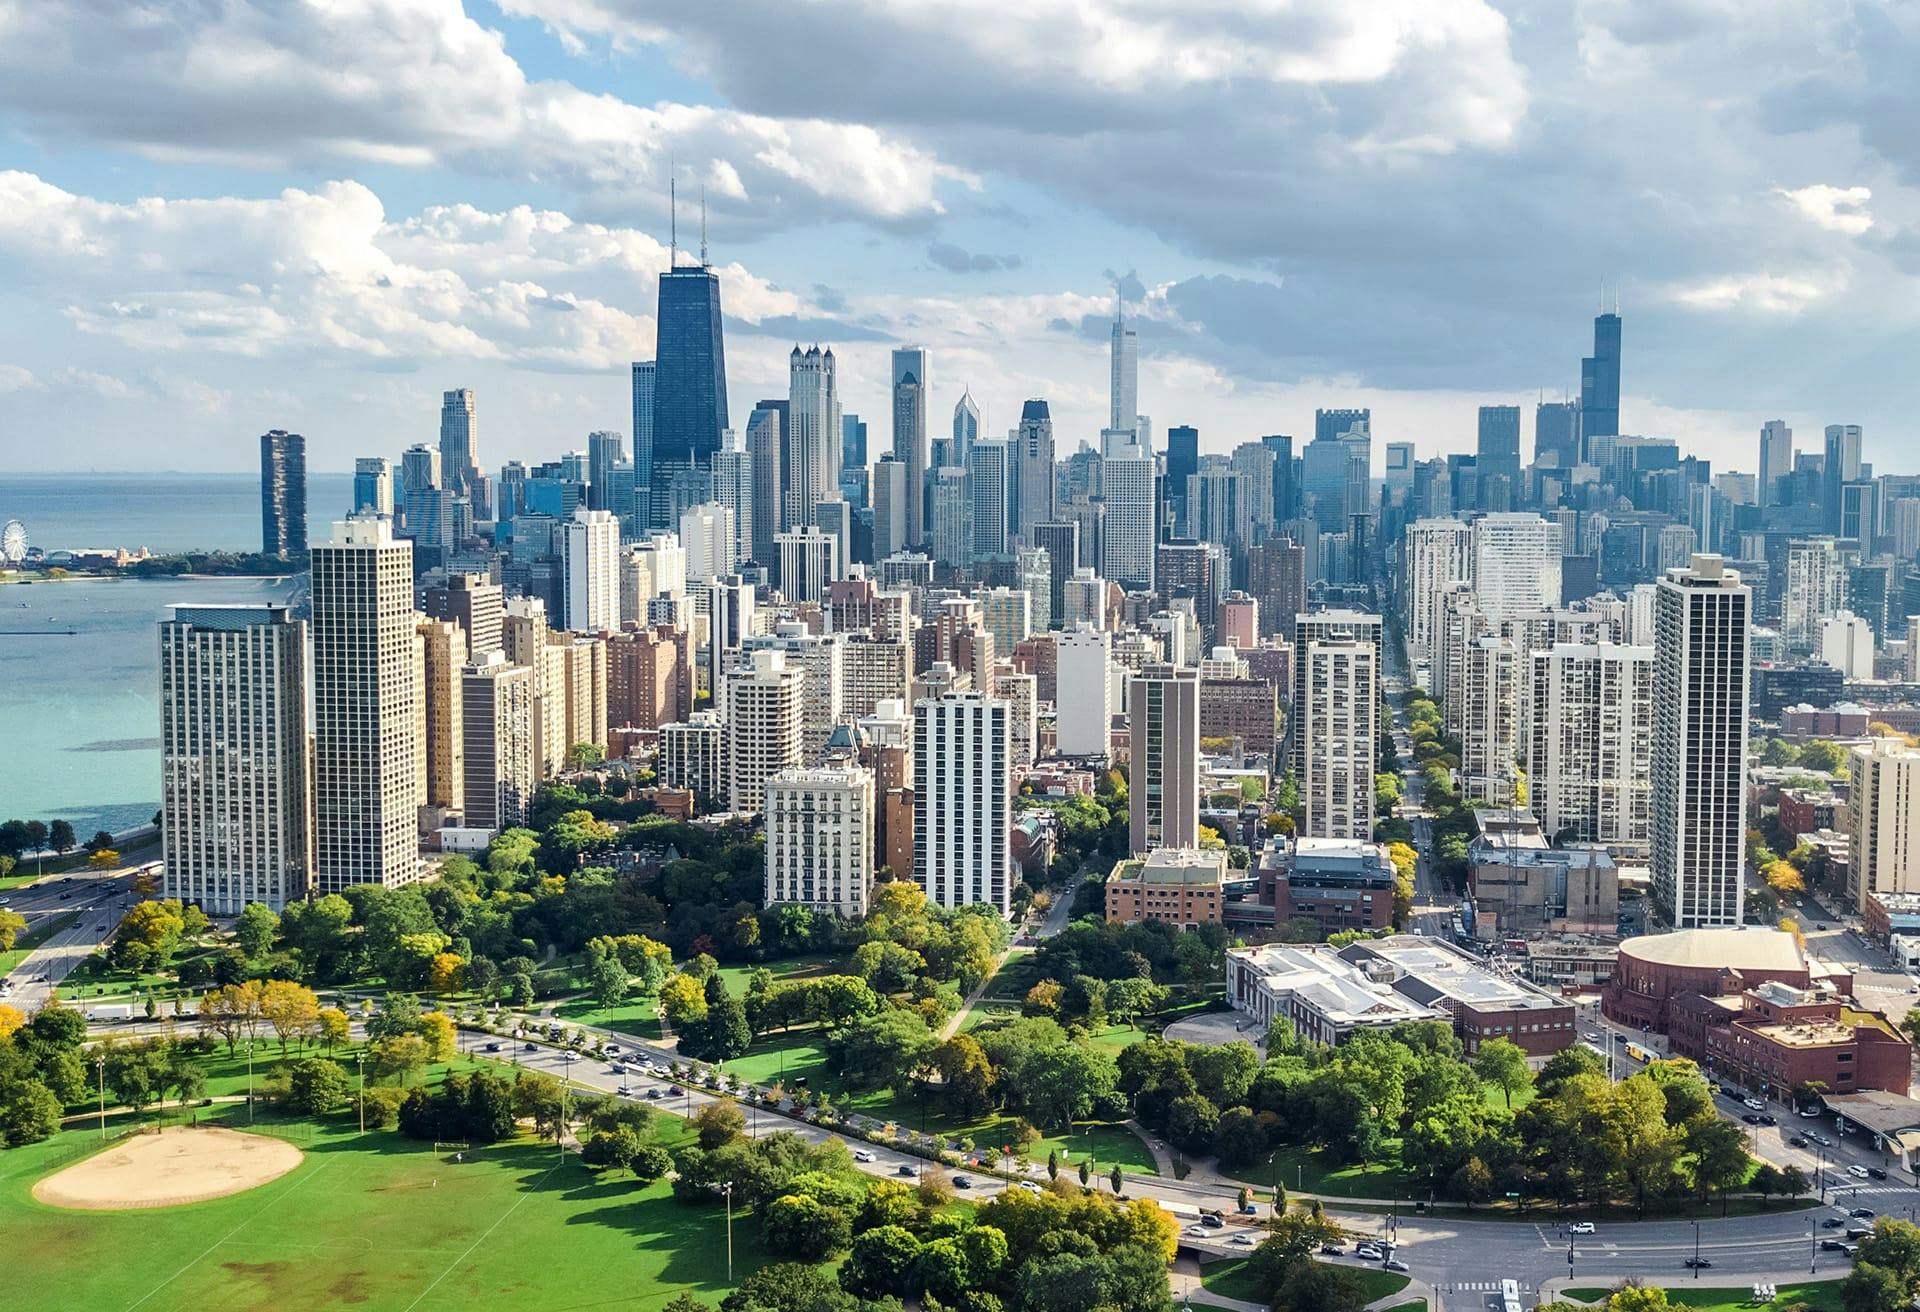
101, 1063
566, 1087
360, 1064
728, 1190
1569, 1252
1813, 1247
249, 1081
1696, 1250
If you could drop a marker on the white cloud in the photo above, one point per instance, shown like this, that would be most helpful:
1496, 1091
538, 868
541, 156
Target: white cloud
417, 83
1837, 209
1761, 293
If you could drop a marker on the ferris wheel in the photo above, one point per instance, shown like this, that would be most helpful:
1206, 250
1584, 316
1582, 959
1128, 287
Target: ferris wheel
13, 542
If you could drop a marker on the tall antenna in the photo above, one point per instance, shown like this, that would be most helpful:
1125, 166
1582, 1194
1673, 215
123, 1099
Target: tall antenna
703, 227
673, 219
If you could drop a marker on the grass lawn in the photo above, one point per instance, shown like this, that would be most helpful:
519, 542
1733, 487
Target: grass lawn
785, 968
1232, 1279
377, 1223
1819, 1296
1411, 1305
784, 1055
638, 1016
1314, 1172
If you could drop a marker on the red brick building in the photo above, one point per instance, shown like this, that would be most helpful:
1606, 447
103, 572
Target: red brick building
1782, 1037
1655, 970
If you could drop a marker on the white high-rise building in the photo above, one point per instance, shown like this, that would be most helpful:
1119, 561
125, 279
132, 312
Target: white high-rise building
1219, 505
1163, 723
708, 536
820, 839
813, 434
765, 714
1434, 553
910, 385
733, 488
367, 776
1123, 373
1491, 688
1083, 700
1776, 459
889, 507
809, 560
967, 428
821, 659
1846, 643
989, 483
1126, 545
1338, 731
962, 800
1702, 617
1883, 818
1816, 587
592, 563
1586, 740
1334, 627
233, 757
496, 740
1516, 563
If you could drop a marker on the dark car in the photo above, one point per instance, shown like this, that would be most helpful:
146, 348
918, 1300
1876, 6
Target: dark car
1832, 1223
1831, 1245
1861, 1213
1876, 1173
1699, 1263
1333, 1250
963, 1182
1766, 1118
530, 1047
1751, 1118
493, 1047
904, 1170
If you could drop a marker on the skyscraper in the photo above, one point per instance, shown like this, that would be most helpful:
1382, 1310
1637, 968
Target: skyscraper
1084, 701
283, 494
1061, 542
1434, 553
1331, 425
606, 452
1556, 435
989, 481
1123, 368
1033, 460
366, 748
233, 756
853, 443
1600, 385
950, 518
1337, 730
689, 380
473, 602
1163, 721
767, 454
1586, 738
1183, 461
1702, 623
592, 563
889, 506
373, 486
1883, 818
1516, 563
1840, 467
459, 443
1498, 453
643, 380
1127, 541
909, 396
764, 716
443, 654
498, 770
962, 803
966, 428
813, 434
820, 826
1776, 460
733, 488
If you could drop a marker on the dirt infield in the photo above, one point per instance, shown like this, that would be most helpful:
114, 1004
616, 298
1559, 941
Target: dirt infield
184, 1164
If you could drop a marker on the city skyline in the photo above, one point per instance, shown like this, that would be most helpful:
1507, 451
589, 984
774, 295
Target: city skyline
183, 268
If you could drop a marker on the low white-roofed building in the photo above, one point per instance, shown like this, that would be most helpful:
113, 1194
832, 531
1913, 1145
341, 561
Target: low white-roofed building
1327, 998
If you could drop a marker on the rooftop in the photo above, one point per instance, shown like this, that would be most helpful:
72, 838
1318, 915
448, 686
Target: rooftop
1332, 986
1734, 949
1429, 970
1189, 866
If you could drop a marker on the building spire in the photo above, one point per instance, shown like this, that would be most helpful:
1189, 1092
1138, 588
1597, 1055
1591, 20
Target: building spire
703, 227
673, 218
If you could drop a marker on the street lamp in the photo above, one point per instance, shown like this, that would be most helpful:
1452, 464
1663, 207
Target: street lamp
1696, 1250
1813, 1247
727, 1189
101, 1063
249, 1081
360, 1064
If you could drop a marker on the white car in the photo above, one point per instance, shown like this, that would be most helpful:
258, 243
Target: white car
1243, 1240
1367, 1252
1033, 1188
1857, 1172
1754, 1103
1580, 1228
862, 1155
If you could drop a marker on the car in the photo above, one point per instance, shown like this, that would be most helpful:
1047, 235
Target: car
616, 1069
1367, 1251
613, 1047
1913, 988
862, 1155
1831, 1245
1860, 1213
906, 1169
1332, 1250
1030, 1186
653, 1095
1195, 1232
1754, 1103
1751, 1118
529, 1047
1858, 1231
1243, 1241
1821, 1139
1808, 1112
491, 1047
1580, 1228
1212, 1221
963, 1182
1395, 1264
1699, 1263
625, 1091
1875, 1173
1766, 1118
1798, 1141
1857, 1172
1832, 1223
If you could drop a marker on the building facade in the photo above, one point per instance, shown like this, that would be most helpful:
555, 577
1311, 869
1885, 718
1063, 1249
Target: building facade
820, 828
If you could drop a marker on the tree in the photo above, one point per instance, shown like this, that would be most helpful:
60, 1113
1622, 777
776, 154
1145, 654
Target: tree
1719, 1154
1238, 1139
12, 1019
335, 1027
291, 1009
1115, 1179
609, 980
804, 1228
442, 1039
1503, 1064
255, 929
582, 756
397, 1014
444, 973
12, 925
105, 859
60, 836
541, 1099
882, 1263
1872, 1288
614, 1148
718, 1123
29, 1113
100, 842
399, 1056
317, 1086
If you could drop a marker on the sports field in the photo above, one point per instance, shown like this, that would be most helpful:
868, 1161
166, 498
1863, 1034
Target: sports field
373, 1223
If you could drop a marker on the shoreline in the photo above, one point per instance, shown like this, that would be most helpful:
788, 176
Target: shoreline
26, 579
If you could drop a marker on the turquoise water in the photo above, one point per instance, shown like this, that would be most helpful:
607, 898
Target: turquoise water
161, 512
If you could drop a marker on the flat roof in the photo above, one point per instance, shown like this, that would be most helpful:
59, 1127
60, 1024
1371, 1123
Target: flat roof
1428, 969
1880, 1111
1189, 866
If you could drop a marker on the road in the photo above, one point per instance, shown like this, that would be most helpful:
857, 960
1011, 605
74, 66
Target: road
100, 900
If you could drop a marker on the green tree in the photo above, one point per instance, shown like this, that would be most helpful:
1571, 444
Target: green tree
317, 1086
60, 837
541, 1099
255, 929
719, 1123
882, 1263
29, 1112
1503, 1064
803, 1228
399, 1057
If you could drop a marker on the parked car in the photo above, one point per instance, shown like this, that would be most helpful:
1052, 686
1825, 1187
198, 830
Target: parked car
1332, 1250
1580, 1228
1030, 1186
1754, 1103
1766, 1118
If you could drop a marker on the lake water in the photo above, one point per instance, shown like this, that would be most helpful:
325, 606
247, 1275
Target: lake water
80, 715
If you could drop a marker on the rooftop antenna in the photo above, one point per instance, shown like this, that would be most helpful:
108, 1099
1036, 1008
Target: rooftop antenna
703, 227
673, 215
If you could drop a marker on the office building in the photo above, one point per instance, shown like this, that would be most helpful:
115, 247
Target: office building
443, 655
808, 560
459, 442
1586, 741
853, 444
1176, 886
283, 495
1883, 818
1219, 509
497, 747
766, 445
733, 488
373, 486
889, 507
689, 382
1061, 542
1556, 435
1084, 702
1127, 536
1815, 589
1702, 615
1163, 724
909, 397
968, 427
1498, 453
1776, 460
1435, 552
473, 603
1033, 469
1338, 725
1600, 386
820, 828
1839, 467
366, 747
812, 435
643, 388
233, 757
592, 563
606, 455
989, 484
707, 536
962, 801
1183, 462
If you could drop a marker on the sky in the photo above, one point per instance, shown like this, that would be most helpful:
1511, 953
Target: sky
219, 217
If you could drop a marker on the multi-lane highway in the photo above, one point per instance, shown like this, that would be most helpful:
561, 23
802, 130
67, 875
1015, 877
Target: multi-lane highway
93, 904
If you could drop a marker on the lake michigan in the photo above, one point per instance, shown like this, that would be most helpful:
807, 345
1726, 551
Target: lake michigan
80, 714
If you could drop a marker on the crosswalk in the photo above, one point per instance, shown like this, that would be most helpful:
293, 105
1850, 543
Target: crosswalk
1480, 1287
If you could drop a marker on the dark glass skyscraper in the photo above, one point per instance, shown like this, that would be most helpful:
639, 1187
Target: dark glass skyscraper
1285, 496
1600, 383
689, 379
1183, 461
283, 494
1556, 435
1499, 449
